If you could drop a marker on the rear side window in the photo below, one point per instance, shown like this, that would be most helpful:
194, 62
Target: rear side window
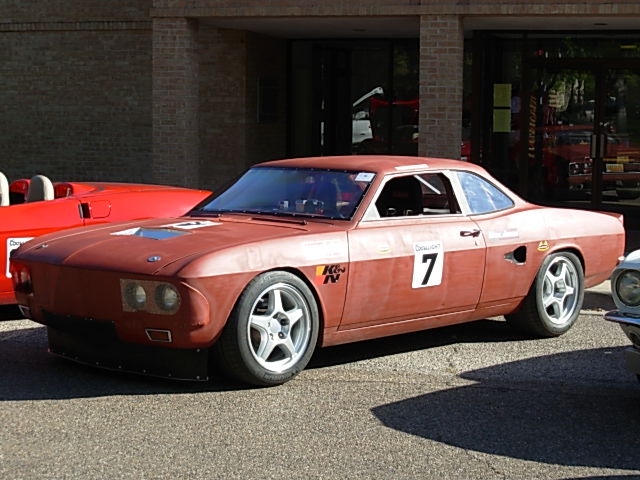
482, 196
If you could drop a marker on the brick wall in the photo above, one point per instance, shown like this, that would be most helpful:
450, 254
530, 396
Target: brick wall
259, 8
266, 62
441, 65
81, 98
175, 101
231, 137
75, 89
54, 11
222, 105
76, 103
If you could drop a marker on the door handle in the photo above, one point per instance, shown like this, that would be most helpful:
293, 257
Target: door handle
470, 233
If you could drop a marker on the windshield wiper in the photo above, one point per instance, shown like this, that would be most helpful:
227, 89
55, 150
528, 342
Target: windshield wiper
300, 221
203, 213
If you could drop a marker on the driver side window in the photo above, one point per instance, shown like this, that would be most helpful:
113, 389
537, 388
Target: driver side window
411, 195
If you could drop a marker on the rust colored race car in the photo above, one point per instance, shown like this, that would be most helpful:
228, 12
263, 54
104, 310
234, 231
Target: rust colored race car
32, 207
312, 252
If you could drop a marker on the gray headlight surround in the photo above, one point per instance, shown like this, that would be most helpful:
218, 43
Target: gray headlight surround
633, 277
621, 272
153, 291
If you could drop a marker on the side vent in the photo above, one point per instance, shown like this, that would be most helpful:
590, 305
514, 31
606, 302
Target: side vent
518, 256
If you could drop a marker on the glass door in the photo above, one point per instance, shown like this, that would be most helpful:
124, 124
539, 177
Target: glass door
620, 139
562, 121
353, 97
583, 137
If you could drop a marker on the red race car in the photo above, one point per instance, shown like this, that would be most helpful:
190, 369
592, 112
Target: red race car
29, 208
312, 252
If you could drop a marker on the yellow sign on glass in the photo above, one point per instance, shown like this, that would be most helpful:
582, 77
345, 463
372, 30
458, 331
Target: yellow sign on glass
501, 120
502, 95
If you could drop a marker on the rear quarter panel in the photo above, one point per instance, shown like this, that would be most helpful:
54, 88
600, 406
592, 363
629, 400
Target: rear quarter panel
519, 241
513, 239
598, 237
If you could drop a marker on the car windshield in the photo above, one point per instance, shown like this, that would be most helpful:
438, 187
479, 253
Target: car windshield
308, 192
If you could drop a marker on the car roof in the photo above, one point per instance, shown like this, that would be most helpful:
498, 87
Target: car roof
384, 164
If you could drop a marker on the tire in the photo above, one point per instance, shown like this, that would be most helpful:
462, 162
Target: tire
553, 304
271, 332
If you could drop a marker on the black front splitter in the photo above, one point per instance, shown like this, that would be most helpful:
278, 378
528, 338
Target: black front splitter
112, 354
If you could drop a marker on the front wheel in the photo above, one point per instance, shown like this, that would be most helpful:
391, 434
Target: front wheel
271, 333
553, 304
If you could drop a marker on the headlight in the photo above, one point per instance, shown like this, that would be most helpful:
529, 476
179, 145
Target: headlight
627, 286
167, 297
159, 298
21, 277
135, 295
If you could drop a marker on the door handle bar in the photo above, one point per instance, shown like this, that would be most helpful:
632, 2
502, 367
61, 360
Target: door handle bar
470, 233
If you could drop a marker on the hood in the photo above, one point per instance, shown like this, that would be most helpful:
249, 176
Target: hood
145, 247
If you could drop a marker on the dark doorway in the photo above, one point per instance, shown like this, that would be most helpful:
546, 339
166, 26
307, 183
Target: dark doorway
353, 97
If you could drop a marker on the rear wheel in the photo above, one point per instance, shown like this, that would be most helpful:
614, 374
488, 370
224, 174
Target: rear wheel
553, 304
271, 333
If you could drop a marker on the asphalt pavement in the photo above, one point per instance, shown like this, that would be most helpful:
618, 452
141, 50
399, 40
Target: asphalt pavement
473, 401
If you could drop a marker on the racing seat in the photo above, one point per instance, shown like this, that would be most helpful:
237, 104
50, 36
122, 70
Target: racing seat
328, 194
40, 188
18, 191
4, 190
400, 197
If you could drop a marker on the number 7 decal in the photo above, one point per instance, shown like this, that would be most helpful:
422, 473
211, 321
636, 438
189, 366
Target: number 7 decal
428, 262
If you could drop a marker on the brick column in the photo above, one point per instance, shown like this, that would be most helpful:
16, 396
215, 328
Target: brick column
441, 65
175, 158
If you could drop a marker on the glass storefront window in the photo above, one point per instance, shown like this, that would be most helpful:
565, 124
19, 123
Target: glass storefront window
358, 97
570, 134
492, 105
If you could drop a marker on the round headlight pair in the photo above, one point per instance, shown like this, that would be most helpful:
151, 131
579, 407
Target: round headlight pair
627, 287
165, 299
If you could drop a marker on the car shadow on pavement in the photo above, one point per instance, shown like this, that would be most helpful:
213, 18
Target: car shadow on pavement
525, 410
488, 330
10, 312
29, 372
597, 301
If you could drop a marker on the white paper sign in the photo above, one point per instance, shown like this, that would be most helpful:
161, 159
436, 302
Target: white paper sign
428, 263
365, 177
12, 244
